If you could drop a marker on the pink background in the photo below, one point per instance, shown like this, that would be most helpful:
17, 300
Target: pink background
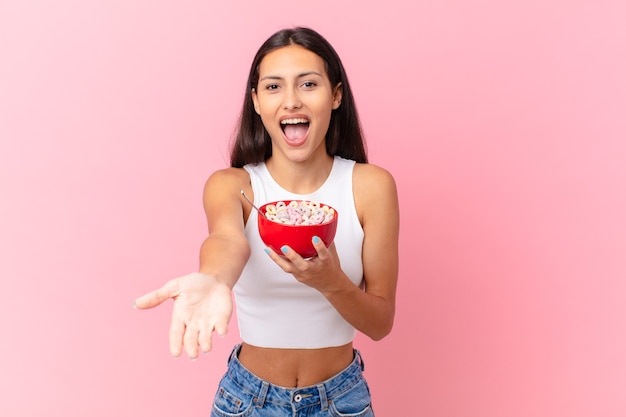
503, 122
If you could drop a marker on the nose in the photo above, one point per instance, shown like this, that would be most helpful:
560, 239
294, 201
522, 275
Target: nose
291, 99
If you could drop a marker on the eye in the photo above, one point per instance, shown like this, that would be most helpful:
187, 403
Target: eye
271, 87
309, 84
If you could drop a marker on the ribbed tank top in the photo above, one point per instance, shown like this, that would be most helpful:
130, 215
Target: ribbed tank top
274, 310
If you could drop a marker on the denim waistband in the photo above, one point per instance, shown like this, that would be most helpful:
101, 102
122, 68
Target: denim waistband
297, 397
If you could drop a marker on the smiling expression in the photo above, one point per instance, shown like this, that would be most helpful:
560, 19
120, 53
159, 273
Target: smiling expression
295, 100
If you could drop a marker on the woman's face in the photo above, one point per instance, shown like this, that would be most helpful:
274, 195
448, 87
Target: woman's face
295, 99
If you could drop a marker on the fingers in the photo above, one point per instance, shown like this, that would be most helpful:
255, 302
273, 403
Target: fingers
320, 247
156, 297
204, 339
198, 311
193, 339
280, 261
290, 261
221, 328
205, 335
177, 332
294, 258
190, 341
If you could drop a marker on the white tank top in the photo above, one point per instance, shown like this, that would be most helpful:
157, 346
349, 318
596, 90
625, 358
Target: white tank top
274, 310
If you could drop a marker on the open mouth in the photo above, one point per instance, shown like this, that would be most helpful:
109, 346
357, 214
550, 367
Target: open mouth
295, 130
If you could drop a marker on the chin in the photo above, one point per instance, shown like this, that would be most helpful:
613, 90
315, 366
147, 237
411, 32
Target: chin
298, 155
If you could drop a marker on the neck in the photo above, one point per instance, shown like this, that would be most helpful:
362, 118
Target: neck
300, 177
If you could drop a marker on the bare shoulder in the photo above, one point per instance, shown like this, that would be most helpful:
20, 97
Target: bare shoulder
371, 181
374, 190
225, 182
371, 172
222, 198
228, 176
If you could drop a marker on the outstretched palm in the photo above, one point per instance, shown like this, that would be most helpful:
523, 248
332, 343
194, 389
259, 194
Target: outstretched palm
202, 305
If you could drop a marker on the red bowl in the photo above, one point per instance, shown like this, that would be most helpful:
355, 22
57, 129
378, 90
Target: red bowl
298, 237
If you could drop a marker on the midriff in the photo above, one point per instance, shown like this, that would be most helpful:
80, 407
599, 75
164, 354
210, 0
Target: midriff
291, 368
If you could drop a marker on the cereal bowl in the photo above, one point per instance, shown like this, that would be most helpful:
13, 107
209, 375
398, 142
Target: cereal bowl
279, 231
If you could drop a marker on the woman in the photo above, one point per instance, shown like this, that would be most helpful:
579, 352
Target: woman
299, 138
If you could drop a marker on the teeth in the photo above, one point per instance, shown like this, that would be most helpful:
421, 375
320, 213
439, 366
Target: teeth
293, 121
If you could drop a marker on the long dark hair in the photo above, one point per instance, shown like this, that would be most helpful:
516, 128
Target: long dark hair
344, 137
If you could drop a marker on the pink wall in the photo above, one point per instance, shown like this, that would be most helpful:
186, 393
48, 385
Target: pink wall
503, 122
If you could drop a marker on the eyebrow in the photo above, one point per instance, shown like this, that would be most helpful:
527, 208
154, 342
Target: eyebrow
304, 74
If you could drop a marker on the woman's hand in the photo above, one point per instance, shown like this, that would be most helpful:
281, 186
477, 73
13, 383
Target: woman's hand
319, 272
202, 305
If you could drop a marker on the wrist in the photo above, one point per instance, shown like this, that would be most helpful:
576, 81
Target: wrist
341, 284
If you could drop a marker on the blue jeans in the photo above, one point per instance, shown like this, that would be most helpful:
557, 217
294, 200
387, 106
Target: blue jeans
241, 393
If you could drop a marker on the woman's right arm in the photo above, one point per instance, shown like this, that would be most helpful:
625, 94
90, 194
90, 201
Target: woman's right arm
202, 300
225, 252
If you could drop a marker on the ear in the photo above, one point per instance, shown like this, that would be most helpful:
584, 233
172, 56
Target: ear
337, 96
255, 100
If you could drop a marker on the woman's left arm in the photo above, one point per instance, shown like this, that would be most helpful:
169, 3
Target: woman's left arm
371, 309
